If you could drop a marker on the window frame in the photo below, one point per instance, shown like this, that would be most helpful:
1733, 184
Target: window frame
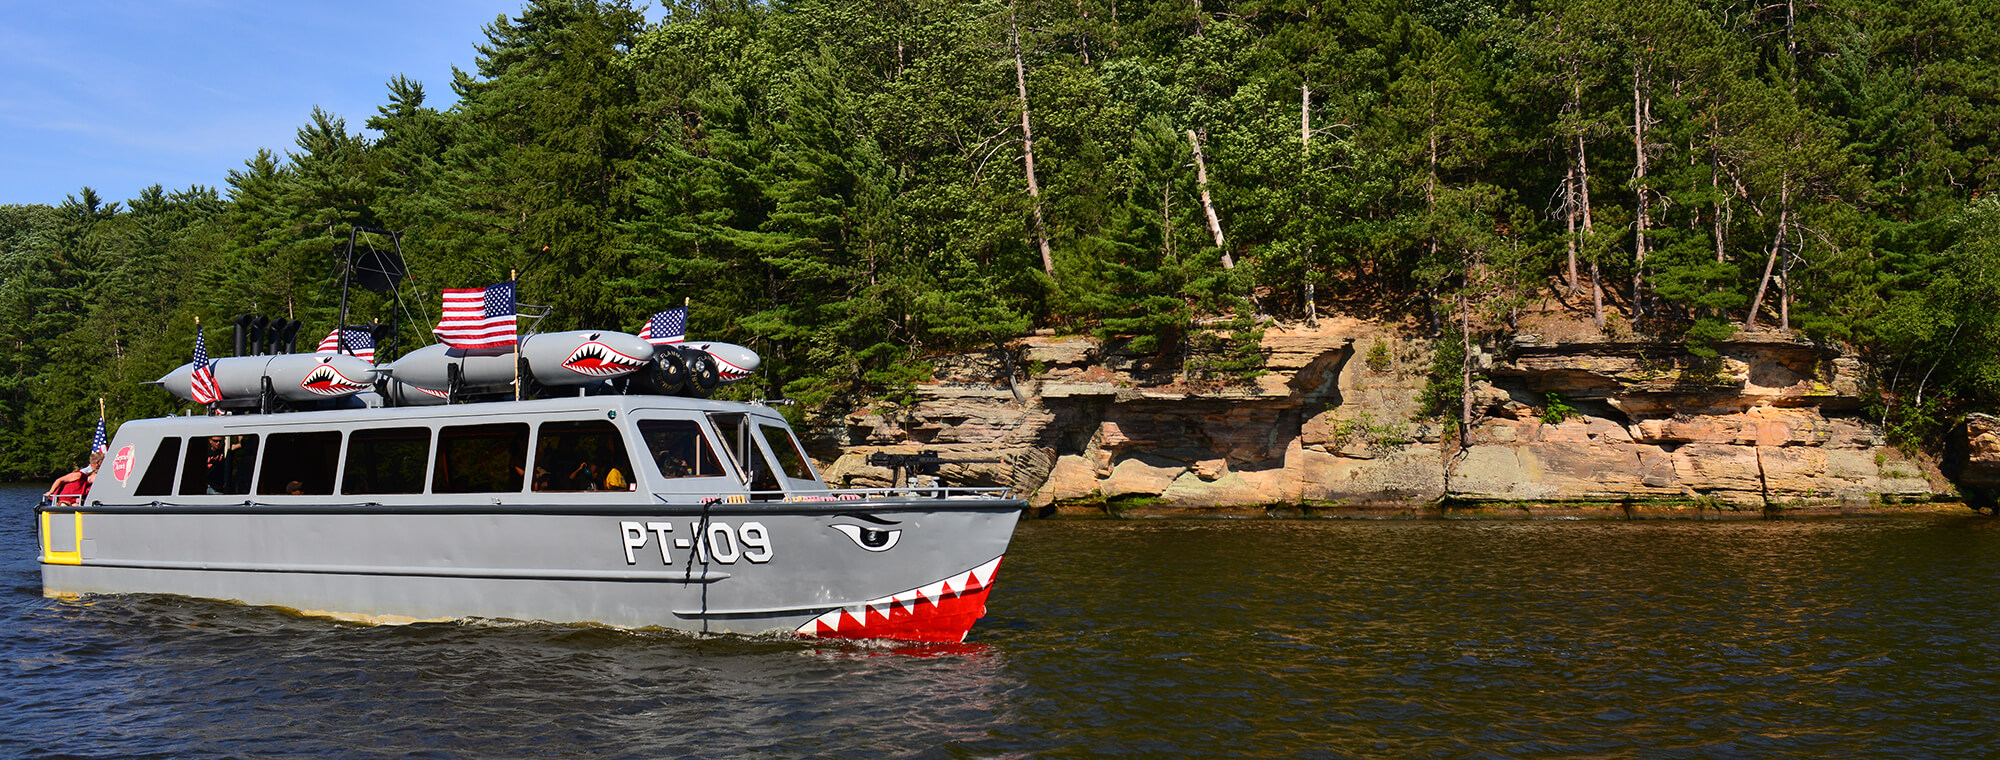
709, 435
173, 467
623, 450
256, 460
347, 453
269, 450
439, 468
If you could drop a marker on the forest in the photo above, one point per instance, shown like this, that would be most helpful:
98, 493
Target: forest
851, 188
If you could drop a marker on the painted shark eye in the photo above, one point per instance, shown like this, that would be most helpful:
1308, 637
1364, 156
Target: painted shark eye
872, 539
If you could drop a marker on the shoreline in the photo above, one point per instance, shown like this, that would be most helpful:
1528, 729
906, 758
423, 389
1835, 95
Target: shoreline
1626, 511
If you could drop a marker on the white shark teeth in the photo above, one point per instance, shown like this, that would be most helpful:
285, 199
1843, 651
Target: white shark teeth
609, 361
327, 381
982, 575
933, 593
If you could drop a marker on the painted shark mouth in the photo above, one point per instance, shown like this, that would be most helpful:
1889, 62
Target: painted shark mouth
727, 372
598, 360
324, 380
940, 612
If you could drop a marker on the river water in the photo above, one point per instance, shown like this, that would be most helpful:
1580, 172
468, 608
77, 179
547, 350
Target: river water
1857, 637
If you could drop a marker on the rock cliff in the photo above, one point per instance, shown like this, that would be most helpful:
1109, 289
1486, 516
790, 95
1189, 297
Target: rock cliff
1562, 426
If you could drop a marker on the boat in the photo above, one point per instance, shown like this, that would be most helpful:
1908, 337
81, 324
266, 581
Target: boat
600, 504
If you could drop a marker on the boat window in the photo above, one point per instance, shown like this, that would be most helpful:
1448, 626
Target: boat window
481, 459
790, 458
736, 439
389, 460
299, 464
679, 448
581, 456
159, 477
221, 466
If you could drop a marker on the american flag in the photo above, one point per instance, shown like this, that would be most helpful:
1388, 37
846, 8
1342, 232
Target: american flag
666, 327
478, 317
360, 342
203, 382
97, 442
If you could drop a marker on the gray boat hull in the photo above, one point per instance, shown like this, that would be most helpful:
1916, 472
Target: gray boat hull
758, 568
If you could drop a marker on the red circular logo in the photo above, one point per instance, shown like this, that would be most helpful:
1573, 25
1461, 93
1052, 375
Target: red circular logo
121, 465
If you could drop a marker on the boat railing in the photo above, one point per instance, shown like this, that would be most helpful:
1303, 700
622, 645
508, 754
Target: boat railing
886, 492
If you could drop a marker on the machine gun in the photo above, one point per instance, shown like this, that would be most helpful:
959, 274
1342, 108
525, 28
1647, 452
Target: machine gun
920, 463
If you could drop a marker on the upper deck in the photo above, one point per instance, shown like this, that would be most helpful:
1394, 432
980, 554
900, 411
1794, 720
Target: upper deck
589, 450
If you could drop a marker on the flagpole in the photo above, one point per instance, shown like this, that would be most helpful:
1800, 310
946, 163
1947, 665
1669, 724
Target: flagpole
514, 278
197, 336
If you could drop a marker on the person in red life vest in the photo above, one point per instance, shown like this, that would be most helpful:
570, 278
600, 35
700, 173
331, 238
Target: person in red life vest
69, 489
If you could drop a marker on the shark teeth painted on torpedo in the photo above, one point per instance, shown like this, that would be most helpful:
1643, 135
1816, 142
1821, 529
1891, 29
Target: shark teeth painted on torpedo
599, 360
327, 381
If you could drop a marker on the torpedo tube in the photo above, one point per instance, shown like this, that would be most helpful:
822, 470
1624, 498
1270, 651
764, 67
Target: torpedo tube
577, 357
732, 362
293, 377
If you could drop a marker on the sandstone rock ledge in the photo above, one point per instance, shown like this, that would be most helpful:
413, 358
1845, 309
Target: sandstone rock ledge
1331, 430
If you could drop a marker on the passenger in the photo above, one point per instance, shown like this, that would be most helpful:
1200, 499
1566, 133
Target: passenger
584, 477
670, 465
615, 480
218, 465
295, 488
673, 465
71, 488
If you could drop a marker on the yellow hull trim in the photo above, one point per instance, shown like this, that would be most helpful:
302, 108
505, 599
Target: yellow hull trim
50, 555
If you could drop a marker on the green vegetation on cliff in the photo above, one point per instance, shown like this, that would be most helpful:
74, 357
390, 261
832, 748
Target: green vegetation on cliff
850, 187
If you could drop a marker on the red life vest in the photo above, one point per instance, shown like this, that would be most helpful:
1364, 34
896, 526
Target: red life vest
73, 491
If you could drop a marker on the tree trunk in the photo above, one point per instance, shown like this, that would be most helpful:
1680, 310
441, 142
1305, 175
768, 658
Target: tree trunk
1305, 161
1642, 219
1576, 160
1207, 205
1569, 218
1430, 186
1028, 144
1583, 193
1596, 296
1305, 116
1777, 244
1721, 198
1785, 290
1465, 372
1083, 32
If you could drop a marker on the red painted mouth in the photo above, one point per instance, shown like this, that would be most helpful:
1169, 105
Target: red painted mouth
324, 380
940, 612
598, 360
727, 372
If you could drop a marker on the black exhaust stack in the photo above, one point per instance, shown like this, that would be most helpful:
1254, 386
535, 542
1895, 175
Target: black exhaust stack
289, 342
242, 323
257, 334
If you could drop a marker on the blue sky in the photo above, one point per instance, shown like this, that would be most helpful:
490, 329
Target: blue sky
122, 95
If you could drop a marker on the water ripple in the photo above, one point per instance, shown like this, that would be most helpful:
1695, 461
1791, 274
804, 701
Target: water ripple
1842, 638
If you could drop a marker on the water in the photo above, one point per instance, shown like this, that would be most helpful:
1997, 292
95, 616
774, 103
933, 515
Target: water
1501, 639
